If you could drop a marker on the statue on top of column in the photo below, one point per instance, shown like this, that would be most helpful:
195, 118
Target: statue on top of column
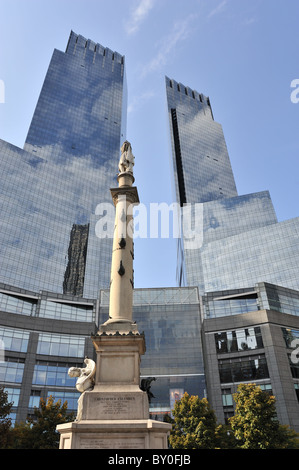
127, 158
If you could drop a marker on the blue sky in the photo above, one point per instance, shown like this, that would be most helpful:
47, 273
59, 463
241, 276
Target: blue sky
243, 54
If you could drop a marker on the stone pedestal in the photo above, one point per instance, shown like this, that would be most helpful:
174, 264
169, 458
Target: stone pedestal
115, 414
120, 434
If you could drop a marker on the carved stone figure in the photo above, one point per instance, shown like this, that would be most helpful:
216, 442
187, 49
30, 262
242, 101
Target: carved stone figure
146, 387
127, 158
84, 382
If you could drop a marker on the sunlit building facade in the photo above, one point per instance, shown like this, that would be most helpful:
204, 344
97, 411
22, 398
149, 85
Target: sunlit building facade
239, 240
252, 336
43, 334
51, 188
204, 345
170, 319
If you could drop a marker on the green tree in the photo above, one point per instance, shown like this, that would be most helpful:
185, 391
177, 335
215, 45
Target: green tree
5, 421
255, 424
39, 432
194, 425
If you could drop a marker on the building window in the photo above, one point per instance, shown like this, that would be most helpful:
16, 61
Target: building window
52, 374
294, 369
239, 340
297, 391
14, 339
70, 397
60, 345
232, 306
267, 388
289, 335
243, 369
34, 399
11, 371
13, 395
63, 311
227, 397
15, 304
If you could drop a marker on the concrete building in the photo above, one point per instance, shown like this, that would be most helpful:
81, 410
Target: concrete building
190, 347
254, 341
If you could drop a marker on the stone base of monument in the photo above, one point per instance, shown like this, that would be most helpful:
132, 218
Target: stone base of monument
119, 434
115, 413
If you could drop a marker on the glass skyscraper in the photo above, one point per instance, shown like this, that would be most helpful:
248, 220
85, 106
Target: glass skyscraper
50, 189
241, 241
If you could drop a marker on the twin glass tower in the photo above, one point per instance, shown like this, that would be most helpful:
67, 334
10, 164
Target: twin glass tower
242, 242
50, 188
53, 266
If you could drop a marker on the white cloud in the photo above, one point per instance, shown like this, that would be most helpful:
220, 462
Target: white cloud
180, 31
218, 9
140, 100
138, 15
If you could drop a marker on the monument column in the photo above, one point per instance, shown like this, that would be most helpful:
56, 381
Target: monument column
125, 197
113, 412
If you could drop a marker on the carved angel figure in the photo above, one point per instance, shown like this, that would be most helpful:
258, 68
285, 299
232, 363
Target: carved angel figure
85, 375
127, 158
85, 381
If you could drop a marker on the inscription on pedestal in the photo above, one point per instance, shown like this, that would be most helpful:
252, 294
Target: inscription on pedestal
106, 406
114, 405
111, 443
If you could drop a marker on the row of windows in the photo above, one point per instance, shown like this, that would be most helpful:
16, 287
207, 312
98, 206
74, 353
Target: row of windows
49, 344
60, 311
48, 309
13, 304
285, 304
45, 374
243, 369
59, 345
239, 340
70, 397
220, 308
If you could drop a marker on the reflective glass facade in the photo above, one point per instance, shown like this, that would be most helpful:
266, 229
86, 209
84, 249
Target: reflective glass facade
170, 319
202, 169
49, 190
222, 220
277, 298
269, 254
240, 240
37, 346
